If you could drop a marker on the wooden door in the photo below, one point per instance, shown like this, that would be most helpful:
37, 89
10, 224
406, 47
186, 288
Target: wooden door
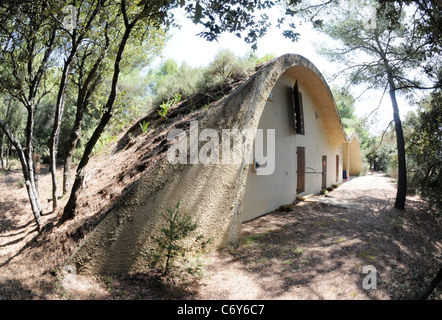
324, 172
337, 167
300, 173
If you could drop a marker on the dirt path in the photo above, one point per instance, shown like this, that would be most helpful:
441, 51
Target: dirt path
20, 277
316, 251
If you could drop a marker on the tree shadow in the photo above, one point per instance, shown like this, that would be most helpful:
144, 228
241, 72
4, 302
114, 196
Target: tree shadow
12, 289
317, 241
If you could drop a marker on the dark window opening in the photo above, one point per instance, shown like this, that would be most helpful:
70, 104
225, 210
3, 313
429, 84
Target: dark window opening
298, 112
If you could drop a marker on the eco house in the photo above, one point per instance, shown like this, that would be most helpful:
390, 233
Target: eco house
289, 102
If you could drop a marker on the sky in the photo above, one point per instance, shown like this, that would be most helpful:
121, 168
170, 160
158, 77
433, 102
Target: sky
186, 46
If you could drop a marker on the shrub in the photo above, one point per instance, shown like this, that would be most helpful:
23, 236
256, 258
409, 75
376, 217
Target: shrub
165, 106
286, 207
174, 243
262, 60
171, 79
104, 142
144, 126
226, 67
425, 149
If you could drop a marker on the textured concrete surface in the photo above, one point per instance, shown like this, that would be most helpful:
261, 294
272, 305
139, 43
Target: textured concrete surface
213, 194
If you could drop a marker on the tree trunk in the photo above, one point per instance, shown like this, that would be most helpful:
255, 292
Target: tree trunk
53, 144
61, 97
424, 295
69, 210
68, 161
7, 155
2, 139
29, 181
28, 154
402, 168
85, 91
75, 136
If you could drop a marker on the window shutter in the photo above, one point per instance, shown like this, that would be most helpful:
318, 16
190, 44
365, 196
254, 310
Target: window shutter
298, 110
300, 120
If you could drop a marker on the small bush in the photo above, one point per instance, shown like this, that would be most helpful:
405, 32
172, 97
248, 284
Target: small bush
262, 60
226, 68
286, 207
173, 245
144, 126
165, 106
104, 142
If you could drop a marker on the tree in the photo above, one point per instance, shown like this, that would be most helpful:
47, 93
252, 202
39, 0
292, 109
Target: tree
393, 50
178, 226
27, 40
3, 136
217, 17
38, 52
425, 149
74, 34
345, 104
148, 14
427, 20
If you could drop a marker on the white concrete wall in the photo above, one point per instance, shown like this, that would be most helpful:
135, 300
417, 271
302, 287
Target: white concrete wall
265, 193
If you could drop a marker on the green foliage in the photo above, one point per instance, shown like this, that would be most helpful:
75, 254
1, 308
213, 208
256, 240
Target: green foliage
428, 27
165, 106
424, 150
106, 139
169, 78
144, 126
381, 151
262, 60
226, 67
344, 103
246, 18
177, 239
164, 109
350, 122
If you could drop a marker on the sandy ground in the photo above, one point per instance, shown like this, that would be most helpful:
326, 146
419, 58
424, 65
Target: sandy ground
317, 251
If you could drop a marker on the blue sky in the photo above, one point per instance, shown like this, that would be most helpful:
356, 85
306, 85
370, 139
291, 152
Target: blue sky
186, 46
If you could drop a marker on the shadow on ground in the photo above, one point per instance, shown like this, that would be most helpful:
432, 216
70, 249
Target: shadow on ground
318, 250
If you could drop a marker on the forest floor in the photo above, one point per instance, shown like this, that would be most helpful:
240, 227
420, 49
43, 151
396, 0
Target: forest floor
317, 251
